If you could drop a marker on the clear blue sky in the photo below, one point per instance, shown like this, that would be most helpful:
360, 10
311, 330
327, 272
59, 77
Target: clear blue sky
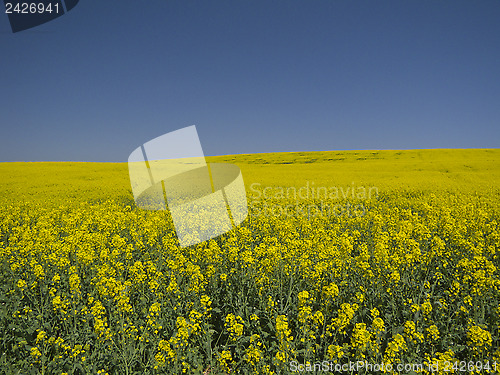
254, 76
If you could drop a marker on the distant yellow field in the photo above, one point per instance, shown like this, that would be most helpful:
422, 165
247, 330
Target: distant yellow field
388, 257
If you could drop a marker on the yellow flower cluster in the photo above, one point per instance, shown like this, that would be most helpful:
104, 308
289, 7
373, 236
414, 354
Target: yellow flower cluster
234, 325
479, 338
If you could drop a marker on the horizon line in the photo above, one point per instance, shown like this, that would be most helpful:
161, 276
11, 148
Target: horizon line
261, 153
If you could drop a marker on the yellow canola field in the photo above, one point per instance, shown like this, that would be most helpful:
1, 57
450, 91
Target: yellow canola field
366, 258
